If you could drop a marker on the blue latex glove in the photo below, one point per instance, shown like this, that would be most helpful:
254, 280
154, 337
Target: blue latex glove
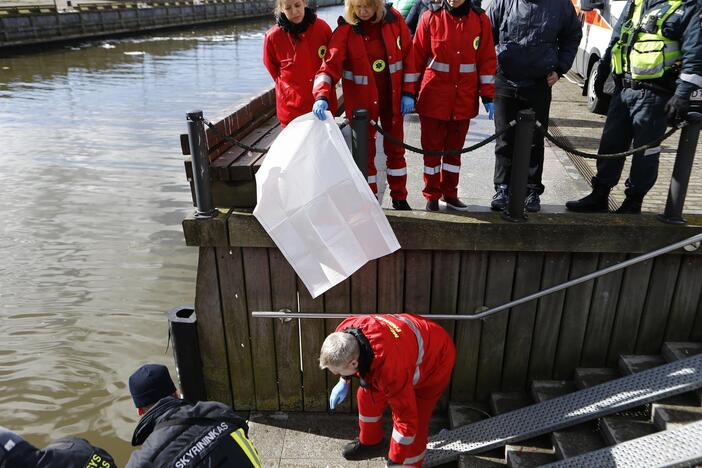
407, 104
490, 108
339, 393
319, 108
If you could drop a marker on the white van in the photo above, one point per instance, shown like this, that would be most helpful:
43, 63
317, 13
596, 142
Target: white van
598, 18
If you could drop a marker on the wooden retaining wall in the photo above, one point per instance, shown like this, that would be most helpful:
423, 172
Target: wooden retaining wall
448, 264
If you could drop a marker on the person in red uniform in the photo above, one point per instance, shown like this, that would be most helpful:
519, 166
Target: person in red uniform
453, 43
370, 51
293, 50
402, 360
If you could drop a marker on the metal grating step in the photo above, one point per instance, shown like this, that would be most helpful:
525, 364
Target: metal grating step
566, 411
678, 447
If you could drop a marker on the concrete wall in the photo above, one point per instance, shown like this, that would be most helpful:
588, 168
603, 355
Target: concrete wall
17, 29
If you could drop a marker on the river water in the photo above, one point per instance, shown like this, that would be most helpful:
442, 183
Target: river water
92, 193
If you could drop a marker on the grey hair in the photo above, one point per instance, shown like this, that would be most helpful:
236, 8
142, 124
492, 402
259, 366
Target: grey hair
338, 350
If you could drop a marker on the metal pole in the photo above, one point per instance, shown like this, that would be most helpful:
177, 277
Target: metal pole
359, 139
484, 312
523, 141
681, 170
201, 166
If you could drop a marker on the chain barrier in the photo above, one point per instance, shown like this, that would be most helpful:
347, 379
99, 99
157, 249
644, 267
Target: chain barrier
442, 153
623, 154
233, 141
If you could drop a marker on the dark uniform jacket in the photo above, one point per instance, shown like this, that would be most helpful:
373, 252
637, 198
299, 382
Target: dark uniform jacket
179, 434
683, 27
534, 37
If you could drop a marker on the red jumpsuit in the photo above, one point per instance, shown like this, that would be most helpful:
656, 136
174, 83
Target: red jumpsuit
376, 65
456, 55
411, 366
293, 60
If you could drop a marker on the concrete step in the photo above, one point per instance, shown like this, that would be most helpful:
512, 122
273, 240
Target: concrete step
523, 457
462, 414
631, 364
577, 440
617, 429
586, 377
674, 351
479, 461
667, 417
504, 402
542, 390
510, 401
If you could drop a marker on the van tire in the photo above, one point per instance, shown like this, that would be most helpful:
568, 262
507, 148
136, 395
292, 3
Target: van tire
594, 104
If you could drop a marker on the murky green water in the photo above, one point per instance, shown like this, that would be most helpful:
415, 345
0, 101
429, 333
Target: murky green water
92, 193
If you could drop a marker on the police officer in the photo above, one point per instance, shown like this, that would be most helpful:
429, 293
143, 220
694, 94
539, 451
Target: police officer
176, 433
67, 452
656, 57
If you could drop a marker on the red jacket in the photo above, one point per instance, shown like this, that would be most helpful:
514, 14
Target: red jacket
394, 371
293, 60
456, 56
347, 59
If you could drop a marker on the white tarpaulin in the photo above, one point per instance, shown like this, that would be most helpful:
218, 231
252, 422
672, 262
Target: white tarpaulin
317, 207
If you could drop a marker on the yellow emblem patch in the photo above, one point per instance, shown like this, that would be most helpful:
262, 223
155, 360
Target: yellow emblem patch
322, 50
379, 65
399, 45
476, 42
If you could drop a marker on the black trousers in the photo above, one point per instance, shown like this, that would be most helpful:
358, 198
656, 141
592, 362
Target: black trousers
509, 100
634, 117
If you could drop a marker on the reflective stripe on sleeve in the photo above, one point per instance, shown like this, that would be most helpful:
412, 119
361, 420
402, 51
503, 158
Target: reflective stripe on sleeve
395, 67
369, 419
397, 172
420, 346
412, 77
401, 438
358, 79
690, 78
466, 68
438, 66
322, 79
413, 460
487, 79
372, 179
246, 447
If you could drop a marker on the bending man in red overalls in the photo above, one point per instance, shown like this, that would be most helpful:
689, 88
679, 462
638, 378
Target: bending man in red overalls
403, 361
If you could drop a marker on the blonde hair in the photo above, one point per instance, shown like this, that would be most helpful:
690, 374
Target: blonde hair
351, 17
278, 10
338, 350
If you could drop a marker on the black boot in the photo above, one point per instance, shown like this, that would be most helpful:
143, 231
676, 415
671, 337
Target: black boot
630, 205
401, 205
355, 450
596, 202
500, 199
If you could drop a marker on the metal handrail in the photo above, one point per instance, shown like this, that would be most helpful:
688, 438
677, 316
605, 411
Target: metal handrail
484, 313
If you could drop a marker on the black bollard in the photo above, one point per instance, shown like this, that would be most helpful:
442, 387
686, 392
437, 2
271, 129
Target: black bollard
201, 166
523, 140
359, 139
682, 169
182, 323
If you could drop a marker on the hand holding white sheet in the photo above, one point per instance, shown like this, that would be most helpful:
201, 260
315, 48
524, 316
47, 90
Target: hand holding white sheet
317, 207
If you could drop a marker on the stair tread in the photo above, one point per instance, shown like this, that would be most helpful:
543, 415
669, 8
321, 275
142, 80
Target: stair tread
462, 414
631, 364
586, 377
479, 461
576, 440
616, 429
673, 351
504, 402
527, 458
542, 390
667, 417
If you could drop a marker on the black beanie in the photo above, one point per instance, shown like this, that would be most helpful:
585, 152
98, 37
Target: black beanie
150, 383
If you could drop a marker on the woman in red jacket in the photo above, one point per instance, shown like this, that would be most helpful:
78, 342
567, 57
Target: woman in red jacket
370, 51
454, 47
293, 50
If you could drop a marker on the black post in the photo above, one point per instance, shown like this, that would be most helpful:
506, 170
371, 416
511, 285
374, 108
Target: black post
359, 139
182, 323
523, 140
681, 170
201, 166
